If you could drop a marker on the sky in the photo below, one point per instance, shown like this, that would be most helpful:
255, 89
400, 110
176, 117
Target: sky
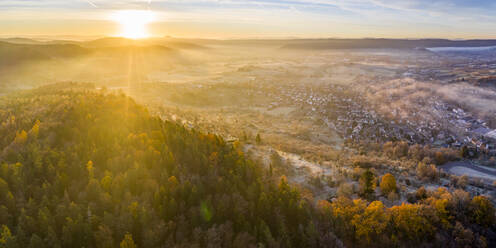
453, 19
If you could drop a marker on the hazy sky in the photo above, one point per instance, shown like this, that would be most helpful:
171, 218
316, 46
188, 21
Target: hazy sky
258, 18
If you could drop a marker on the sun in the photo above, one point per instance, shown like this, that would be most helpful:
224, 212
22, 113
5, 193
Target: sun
133, 23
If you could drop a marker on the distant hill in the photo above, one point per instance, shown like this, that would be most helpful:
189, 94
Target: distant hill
22, 41
17, 53
305, 44
123, 42
123, 50
383, 43
112, 42
12, 54
369, 43
27, 41
184, 45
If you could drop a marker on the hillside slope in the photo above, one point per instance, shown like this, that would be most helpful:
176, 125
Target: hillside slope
82, 168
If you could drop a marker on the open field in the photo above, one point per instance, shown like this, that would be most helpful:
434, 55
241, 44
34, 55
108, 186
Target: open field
461, 168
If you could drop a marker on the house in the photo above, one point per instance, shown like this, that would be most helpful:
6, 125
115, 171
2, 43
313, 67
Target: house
491, 134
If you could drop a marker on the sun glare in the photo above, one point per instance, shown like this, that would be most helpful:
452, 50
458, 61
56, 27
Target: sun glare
133, 23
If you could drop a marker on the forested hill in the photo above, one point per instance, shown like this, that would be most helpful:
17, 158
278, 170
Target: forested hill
81, 167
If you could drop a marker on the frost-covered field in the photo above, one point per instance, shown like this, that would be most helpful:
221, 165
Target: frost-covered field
461, 168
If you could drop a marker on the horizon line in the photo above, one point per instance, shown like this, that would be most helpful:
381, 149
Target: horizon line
96, 37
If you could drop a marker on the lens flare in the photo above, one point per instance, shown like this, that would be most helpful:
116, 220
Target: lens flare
133, 23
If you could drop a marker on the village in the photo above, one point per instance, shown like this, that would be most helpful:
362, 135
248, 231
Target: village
349, 115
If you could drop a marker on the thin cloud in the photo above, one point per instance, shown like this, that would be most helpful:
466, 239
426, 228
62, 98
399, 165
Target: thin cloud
412, 18
91, 3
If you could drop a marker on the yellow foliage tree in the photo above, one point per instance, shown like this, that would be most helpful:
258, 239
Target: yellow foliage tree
90, 168
372, 222
388, 184
21, 137
345, 209
128, 242
482, 211
5, 235
35, 129
442, 212
408, 221
172, 181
